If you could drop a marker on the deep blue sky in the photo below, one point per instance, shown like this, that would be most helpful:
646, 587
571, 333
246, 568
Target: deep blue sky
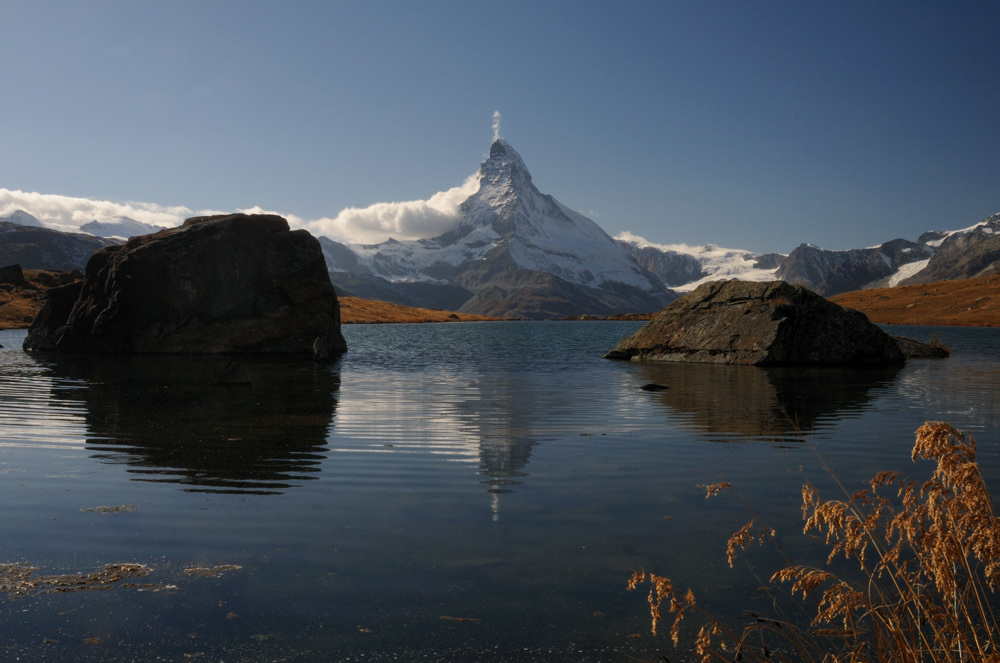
756, 125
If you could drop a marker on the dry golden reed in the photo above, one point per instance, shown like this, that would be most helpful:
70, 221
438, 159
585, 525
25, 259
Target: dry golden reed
929, 556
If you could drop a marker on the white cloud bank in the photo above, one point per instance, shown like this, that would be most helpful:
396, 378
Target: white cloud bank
628, 236
68, 214
408, 220
369, 225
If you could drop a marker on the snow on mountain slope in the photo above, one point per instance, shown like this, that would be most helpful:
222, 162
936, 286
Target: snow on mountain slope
906, 271
727, 264
578, 251
22, 218
545, 235
419, 260
936, 255
119, 227
961, 254
508, 213
716, 263
989, 226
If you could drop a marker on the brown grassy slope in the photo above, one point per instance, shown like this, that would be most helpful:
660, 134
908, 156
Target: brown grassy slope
19, 304
968, 302
357, 310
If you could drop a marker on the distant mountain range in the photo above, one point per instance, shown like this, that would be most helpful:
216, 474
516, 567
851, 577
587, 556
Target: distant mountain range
516, 252
26, 242
118, 227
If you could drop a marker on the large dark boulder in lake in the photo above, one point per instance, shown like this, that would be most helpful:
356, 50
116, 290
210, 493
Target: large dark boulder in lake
236, 283
772, 323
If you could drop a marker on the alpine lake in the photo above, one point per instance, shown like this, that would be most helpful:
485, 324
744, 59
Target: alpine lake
443, 492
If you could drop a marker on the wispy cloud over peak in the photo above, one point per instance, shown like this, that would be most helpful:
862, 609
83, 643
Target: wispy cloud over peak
497, 118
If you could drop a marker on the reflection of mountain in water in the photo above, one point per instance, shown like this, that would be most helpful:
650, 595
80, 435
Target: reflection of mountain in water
499, 421
747, 400
246, 425
503, 460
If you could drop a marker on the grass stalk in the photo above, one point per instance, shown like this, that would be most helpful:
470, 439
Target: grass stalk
929, 557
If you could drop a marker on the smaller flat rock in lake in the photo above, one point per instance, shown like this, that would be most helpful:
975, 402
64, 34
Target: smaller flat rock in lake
235, 283
754, 323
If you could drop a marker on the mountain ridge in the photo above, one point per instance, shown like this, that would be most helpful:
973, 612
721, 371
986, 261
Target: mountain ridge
516, 252
934, 255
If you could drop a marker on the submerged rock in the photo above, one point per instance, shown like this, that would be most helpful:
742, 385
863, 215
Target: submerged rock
740, 322
912, 348
237, 283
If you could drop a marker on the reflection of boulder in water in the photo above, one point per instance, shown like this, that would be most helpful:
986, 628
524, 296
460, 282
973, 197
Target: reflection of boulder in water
747, 400
256, 425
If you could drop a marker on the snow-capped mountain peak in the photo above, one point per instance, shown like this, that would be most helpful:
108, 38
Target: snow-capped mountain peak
504, 188
541, 234
504, 164
118, 227
989, 227
510, 230
22, 218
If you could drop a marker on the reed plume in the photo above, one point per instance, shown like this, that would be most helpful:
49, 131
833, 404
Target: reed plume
929, 556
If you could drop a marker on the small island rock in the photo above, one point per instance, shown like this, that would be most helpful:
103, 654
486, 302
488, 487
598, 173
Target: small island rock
235, 283
754, 323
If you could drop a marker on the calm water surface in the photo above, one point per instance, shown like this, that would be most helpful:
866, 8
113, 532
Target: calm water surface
457, 492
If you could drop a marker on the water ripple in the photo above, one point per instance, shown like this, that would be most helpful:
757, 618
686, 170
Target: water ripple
30, 413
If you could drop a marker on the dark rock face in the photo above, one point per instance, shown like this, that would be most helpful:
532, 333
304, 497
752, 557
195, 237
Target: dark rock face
49, 325
504, 290
219, 284
670, 267
739, 322
12, 274
833, 272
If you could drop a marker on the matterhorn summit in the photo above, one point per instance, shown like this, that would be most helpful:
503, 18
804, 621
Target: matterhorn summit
513, 252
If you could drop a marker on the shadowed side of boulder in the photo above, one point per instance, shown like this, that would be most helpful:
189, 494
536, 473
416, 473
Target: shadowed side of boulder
237, 283
772, 323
